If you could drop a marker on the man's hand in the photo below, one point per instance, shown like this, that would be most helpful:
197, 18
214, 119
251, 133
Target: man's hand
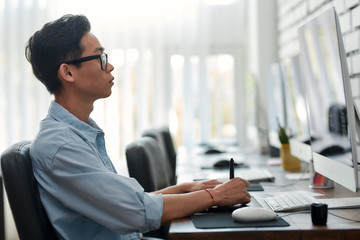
231, 192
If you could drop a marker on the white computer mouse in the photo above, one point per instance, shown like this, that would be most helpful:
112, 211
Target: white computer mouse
253, 214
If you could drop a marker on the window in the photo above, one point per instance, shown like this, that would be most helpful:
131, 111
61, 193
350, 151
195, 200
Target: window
203, 102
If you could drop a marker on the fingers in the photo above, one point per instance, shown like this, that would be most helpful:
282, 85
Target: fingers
246, 182
240, 181
247, 198
244, 195
210, 184
214, 182
201, 185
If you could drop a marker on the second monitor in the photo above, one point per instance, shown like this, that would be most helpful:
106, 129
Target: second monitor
329, 99
296, 110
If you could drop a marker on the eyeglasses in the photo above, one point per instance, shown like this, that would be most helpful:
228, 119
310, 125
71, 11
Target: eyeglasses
103, 60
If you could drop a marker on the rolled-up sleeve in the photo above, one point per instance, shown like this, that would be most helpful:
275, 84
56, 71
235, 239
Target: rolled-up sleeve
154, 203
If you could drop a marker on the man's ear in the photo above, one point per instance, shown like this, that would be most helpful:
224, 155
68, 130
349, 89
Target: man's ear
65, 73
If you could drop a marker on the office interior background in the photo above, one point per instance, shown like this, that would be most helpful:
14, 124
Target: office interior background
198, 66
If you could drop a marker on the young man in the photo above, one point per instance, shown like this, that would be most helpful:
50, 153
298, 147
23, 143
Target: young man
81, 192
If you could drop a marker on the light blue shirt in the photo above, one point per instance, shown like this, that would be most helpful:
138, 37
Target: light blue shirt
81, 192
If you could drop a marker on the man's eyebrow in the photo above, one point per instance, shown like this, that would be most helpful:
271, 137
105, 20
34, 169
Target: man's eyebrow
99, 49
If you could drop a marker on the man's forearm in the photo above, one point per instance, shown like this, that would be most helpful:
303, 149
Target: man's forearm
182, 205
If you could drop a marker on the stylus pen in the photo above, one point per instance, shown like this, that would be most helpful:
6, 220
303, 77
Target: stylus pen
231, 166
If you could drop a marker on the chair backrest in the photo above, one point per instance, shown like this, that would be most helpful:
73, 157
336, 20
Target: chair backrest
22, 191
162, 135
169, 146
145, 162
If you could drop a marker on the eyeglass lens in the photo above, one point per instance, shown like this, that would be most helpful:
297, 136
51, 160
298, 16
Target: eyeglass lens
104, 61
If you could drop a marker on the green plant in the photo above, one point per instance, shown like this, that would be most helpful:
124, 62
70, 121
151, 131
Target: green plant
283, 137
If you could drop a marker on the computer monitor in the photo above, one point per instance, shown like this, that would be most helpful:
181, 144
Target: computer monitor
276, 107
329, 99
296, 114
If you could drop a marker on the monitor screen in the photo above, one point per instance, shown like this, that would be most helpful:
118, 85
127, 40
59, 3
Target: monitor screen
294, 98
276, 108
329, 99
296, 109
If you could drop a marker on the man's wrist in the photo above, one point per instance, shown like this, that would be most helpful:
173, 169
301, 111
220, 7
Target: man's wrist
212, 197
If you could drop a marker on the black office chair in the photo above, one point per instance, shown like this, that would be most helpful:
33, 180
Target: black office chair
145, 162
170, 148
163, 136
21, 187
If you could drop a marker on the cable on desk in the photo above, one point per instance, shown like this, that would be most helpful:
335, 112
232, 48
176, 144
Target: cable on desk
292, 213
335, 215
350, 219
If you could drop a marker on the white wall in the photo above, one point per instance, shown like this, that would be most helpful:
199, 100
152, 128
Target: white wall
292, 14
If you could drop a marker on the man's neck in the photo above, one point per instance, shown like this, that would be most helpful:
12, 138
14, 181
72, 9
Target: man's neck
78, 109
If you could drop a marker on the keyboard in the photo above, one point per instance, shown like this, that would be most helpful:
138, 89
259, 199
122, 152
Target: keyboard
255, 174
289, 201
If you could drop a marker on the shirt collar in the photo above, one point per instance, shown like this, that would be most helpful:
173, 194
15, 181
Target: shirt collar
61, 114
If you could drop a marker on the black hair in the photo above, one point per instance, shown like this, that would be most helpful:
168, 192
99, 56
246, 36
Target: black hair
55, 43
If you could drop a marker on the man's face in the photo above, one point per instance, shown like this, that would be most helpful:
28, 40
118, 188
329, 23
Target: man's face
91, 82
